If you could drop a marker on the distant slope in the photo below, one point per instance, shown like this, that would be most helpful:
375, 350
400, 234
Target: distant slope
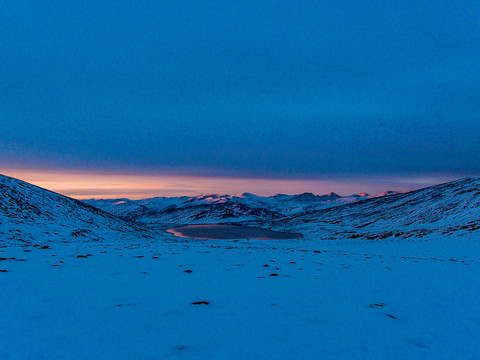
442, 209
30, 213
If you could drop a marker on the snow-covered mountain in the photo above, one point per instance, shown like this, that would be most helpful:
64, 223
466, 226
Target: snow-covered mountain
29, 213
394, 298
211, 208
442, 209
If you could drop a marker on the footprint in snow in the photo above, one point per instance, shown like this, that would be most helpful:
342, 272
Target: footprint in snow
381, 305
123, 305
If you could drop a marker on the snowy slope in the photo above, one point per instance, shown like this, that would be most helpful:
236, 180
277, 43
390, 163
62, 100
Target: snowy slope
441, 209
30, 213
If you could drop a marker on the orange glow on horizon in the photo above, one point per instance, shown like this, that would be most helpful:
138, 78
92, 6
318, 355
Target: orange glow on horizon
87, 185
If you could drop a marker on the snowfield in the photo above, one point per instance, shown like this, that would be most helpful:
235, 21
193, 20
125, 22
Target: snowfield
127, 292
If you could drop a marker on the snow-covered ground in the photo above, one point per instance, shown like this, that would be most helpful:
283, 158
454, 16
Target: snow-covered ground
398, 279
354, 299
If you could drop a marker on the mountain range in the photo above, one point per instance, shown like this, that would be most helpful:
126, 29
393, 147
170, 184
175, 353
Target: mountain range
164, 211
29, 213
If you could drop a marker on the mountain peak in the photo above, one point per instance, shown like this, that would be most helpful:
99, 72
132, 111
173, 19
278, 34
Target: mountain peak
305, 196
363, 194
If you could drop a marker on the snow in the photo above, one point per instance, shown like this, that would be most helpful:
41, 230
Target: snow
29, 213
115, 304
446, 210
122, 291
208, 208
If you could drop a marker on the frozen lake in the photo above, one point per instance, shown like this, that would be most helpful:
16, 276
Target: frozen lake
223, 232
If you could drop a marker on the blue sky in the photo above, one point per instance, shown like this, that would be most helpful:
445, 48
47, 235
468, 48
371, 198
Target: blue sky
272, 89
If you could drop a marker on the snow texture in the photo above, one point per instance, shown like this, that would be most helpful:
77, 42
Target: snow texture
126, 292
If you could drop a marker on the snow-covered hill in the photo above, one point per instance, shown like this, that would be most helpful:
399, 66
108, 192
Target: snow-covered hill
442, 209
29, 213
